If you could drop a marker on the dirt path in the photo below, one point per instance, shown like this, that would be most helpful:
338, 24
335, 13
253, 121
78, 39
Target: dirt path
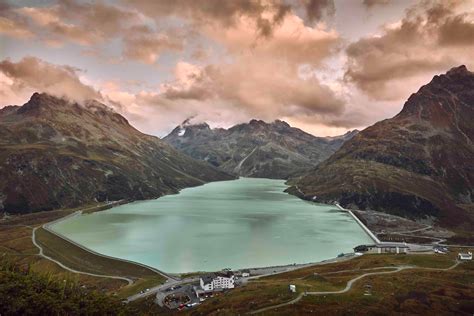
41, 253
350, 283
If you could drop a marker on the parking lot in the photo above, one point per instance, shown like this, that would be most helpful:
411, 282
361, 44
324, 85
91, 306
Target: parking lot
178, 297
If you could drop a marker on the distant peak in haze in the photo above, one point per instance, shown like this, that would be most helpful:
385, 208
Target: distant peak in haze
255, 149
253, 124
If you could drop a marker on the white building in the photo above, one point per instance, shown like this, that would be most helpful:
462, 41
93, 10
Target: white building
465, 256
222, 280
383, 247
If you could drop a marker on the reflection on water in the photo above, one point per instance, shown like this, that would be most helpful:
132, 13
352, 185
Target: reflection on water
236, 224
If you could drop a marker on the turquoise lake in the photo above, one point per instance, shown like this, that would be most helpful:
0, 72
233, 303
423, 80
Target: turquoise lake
230, 224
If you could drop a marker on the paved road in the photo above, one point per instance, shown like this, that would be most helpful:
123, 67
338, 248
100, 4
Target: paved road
413, 231
41, 253
350, 283
281, 269
170, 279
47, 227
161, 287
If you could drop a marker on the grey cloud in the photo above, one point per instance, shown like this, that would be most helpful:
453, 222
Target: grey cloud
429, 39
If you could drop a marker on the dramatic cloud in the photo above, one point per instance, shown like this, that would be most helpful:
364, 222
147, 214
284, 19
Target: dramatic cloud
316, 9
97, 22
222, 14
141, 43
89, 24
226, 62
372, 3
223, 95
457, 30
31, 74
431, 38
258, 89
12, 24
260, 76
292, 41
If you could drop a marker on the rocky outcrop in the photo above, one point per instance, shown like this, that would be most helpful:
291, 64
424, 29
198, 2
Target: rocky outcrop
55, 153
419, 163
255, 149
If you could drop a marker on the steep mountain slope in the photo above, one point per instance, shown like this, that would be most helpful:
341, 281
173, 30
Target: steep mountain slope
419, 163
256, 149
55, 153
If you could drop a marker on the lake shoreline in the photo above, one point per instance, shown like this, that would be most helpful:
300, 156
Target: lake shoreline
47, 227
256, 272
277, 191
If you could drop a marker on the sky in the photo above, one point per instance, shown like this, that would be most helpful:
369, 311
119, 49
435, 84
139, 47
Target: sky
325, 66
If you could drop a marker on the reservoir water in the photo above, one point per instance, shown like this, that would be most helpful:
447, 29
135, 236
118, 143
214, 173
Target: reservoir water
231, 224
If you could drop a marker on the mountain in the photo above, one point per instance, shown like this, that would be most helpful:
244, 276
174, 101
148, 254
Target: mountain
57, 153
255, 149
418, 164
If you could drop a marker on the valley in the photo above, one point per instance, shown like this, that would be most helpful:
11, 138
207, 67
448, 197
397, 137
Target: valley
237, 157
137, 225
329, 275
197, 228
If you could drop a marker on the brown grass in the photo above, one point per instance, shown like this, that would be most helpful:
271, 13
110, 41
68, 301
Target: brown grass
403, 292
16, 244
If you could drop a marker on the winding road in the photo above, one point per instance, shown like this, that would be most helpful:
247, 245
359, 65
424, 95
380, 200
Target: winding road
350, 283
41, 253
77, 213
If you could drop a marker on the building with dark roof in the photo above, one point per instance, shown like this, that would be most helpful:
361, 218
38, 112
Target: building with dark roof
383, 247
220, 280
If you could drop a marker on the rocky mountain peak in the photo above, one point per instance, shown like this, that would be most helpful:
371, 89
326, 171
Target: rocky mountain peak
416, 164
442, 97
46, 105
254, 149
254, 122
282, 124
37, 103
59, 153
459, 71
190, 129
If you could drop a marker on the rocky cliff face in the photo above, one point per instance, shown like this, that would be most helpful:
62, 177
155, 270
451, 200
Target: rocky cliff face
55, 153
419, 163
255, 149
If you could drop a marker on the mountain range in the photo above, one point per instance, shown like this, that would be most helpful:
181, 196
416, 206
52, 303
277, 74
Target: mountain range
58, 153
418, 164
255, 149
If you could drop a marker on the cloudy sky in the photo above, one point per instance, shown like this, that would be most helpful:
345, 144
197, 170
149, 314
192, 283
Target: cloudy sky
322, 65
